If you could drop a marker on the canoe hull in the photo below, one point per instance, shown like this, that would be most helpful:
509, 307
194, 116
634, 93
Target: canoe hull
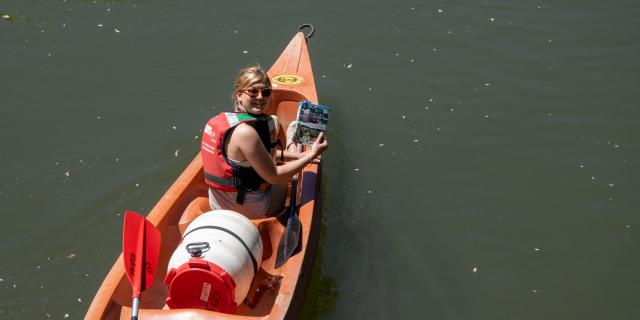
275, 293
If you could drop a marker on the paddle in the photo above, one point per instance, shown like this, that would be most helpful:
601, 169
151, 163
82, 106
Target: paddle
291, 235
140, 251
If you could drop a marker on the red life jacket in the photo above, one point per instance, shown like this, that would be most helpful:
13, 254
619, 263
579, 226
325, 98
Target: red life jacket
219, 172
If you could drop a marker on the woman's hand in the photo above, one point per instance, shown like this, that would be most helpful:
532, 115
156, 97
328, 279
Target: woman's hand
319, 146
313, 155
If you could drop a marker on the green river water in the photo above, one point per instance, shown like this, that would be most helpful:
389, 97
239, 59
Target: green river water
483, 163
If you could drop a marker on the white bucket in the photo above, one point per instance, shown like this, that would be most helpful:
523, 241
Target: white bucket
216, 245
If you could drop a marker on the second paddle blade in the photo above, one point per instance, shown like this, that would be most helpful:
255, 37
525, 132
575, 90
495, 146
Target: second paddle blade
290, 239
140, 237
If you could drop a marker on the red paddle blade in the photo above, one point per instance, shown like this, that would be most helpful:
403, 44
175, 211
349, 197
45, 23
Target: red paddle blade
140, 250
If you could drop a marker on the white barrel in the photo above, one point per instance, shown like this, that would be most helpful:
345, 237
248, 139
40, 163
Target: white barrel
225, 239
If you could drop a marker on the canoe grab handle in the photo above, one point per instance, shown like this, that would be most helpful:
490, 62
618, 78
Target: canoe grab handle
311, 31
196, 249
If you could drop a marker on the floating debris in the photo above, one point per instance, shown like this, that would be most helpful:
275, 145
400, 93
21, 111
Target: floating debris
71, 256
440, 11
492, 19
356, 169
67, 173
245, 51
349, 65
536, 249
474, 270
116, 30
381, 145
100, 25
6, 17
177, 152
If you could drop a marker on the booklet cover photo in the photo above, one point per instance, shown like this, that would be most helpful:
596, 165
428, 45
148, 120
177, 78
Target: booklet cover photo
311, 120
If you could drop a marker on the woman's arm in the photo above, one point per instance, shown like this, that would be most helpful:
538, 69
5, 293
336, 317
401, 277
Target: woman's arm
246, 139
292, 155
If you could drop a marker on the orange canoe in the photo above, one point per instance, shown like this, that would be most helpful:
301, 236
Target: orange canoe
274, 293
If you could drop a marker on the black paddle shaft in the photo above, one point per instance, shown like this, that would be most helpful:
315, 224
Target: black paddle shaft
291, 235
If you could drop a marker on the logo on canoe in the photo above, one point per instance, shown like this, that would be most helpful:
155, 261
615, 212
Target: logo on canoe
287, 79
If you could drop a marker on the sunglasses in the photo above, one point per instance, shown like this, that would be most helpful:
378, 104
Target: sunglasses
254, 92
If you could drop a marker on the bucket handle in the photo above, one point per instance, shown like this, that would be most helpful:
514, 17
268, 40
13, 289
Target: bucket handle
196, 249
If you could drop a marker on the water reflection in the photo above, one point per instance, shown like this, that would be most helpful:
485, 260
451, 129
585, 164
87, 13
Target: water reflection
323, 294
6, 17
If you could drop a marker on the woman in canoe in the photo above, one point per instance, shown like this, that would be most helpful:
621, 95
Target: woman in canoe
238, 152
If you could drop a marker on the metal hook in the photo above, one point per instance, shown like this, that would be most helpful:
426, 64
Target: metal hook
311, 32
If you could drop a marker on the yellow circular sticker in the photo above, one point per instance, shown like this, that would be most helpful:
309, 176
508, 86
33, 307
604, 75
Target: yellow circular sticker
287, 79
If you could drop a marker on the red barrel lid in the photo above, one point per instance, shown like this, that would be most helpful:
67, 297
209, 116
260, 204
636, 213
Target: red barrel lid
200, 284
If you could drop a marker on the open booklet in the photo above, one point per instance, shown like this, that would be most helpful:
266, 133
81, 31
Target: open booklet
311, 120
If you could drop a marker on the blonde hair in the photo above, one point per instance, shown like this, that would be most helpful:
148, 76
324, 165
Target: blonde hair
247, 77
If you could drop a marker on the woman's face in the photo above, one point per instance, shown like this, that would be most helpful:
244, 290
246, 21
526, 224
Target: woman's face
254, 98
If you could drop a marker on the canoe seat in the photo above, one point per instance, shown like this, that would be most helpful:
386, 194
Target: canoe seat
197, 207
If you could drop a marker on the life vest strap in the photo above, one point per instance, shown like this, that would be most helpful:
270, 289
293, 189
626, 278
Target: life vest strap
229, 182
